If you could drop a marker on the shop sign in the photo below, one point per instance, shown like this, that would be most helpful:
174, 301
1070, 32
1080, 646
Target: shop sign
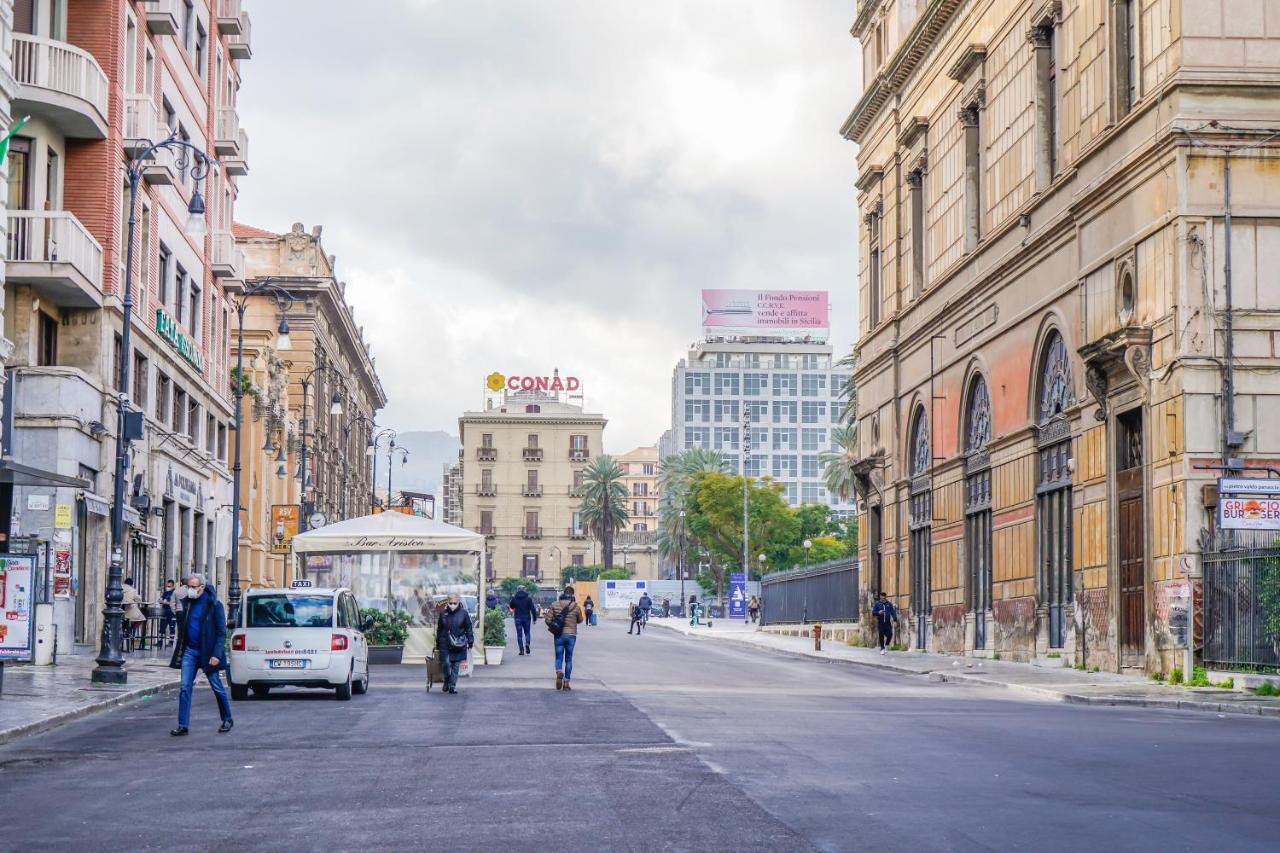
186, 347
1248, 486
17, 573
1260, 513
498, 382
182, 488
284, 526
62, 517
38, 503
96, 505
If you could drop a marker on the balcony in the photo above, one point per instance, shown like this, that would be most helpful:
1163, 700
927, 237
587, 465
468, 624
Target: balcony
62, 84
237, 163
579, 454
162, 17
486, 490
531, 491
229, 22
532, 454
577, 533
238, 44
488, 531
487, 454
228, 260
226, 135
51, 251
144, 125
63, 392
531, 533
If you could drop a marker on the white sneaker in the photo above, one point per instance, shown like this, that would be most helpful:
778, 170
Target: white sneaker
882, 651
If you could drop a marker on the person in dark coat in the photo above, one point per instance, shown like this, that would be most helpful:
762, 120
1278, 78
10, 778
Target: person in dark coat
454, 636
886, 615
589, 611
524, 609
201, 645
491, 600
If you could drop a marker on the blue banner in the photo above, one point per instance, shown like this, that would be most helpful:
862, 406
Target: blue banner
737, 595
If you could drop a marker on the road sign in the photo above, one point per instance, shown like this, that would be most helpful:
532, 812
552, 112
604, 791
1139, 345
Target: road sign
1248, 486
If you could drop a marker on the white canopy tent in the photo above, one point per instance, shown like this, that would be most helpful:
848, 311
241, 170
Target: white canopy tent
398, 562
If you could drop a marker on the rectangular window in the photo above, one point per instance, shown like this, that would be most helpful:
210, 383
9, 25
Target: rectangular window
130, 54
188, 24
222, 442
47, 348
141, 381
193, 421
755, 383
812, 493
813, 439
759, 437
697, 410
117, 362
813, 412
486, 440
784, 412
809, 466
874, 296
194, 313
179, 292
164, 273
697, 383
757, 412
727, 384
697, 436
533, 480
726, 438
726, 411
486, 478
163, 401
577, 442
179, 410
531, 522
148, 72
577, 478
202, 48
812, 384
784, 439
210, 433
529, 568
486, 521
784, 466
754, 466
784, 385
532, 440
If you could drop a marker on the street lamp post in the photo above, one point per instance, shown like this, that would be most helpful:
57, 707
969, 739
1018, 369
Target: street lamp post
682, 568
110, 661
346, 446
335, 408
559, 562
808, 543
372, 450
284, 301
391, 455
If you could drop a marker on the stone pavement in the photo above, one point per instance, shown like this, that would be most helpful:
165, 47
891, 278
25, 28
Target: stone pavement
1062, 684
36, 698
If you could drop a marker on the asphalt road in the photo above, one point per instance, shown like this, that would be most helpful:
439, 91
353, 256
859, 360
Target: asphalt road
666, 743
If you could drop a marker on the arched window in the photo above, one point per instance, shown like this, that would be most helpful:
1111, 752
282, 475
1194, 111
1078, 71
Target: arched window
919, 459
1056, 392
977, 495
1053, 491
921, 455
978, 420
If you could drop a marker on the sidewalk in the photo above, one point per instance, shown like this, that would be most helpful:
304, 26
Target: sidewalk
1042, 682
37, 698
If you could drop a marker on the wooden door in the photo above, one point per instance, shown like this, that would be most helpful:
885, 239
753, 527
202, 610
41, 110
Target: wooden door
1132, 560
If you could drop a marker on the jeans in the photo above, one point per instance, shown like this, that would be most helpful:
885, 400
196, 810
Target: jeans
564, 654
191, 664
450, 668
885, 631
522, 632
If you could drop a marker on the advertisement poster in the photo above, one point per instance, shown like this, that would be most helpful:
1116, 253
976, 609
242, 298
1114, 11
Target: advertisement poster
284, 526
62, 517
16, 576
620, 595
765, 309
1249, 513
62, 573
737, 595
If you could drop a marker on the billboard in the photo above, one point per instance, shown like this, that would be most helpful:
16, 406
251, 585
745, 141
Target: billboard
284, 526
16, 579
774, 310
1236, 513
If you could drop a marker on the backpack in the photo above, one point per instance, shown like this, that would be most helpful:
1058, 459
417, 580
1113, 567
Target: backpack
556, 623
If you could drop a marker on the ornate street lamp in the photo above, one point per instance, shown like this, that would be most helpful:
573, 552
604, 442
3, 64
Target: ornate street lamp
335, 408
346, 445
391, 454
129, 424
372, 450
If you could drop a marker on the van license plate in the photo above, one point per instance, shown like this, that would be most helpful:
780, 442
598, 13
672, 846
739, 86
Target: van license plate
287, 664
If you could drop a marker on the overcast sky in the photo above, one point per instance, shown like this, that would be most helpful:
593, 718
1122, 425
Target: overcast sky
519, 185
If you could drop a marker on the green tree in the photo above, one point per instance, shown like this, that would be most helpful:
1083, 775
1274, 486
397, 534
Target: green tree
508, 586
837, 463
714, 517
604, 502
569, 574
674, 480
822, 549
849, 390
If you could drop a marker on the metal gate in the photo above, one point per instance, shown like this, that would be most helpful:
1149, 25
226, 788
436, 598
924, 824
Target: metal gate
1240, 603
824, 593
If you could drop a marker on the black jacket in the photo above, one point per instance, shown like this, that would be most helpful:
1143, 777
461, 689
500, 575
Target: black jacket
523, 605
458, 623
213, 633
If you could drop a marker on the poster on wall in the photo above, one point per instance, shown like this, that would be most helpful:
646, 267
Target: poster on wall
737, 595
284, 526
620, 595
17, 573
62, 573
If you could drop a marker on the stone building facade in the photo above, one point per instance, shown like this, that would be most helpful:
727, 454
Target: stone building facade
330, 354
99, 80
1046, 311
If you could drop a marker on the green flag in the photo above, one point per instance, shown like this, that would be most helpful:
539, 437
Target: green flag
4, 143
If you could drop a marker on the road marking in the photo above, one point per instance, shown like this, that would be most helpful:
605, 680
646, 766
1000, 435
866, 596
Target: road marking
655, 750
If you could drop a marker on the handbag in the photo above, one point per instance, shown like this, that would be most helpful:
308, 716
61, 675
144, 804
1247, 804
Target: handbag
556, 623
457, 642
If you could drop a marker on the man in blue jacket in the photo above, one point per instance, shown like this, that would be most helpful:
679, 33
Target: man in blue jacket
201, 645
522, 608
886, 615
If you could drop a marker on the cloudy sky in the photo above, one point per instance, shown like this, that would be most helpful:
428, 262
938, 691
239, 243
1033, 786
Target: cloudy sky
519, 185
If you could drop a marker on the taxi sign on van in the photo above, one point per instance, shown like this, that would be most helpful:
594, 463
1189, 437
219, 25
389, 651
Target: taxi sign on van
300, 584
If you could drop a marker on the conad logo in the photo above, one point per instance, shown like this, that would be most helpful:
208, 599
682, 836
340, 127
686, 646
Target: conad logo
496, 382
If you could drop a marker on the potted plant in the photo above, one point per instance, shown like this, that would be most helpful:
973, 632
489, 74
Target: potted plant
386, 633
495, 636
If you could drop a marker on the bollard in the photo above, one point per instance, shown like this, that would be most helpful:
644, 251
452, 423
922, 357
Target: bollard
817, 637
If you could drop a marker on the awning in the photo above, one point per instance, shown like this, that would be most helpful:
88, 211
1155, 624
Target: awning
389, 531
146, 539
28, 475
96, 505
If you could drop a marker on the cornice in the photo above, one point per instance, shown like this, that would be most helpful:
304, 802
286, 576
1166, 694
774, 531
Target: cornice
970, 58
868, 177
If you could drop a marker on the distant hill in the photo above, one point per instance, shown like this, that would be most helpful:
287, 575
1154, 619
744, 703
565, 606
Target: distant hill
428, 453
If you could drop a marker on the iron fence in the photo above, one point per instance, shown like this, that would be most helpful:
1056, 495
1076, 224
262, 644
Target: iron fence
824, 593
1240, 603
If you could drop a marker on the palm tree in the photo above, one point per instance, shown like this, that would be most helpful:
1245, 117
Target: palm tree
849, 391
678, 471
837, 463
604, 502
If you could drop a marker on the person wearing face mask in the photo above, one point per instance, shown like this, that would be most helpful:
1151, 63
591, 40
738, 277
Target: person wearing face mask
201, 645
454, 636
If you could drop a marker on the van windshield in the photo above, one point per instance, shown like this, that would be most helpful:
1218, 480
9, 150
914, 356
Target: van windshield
290, 611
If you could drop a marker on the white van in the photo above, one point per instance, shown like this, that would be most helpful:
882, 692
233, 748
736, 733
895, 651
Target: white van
299, 637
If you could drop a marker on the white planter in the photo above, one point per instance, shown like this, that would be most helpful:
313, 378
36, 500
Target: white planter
493, 655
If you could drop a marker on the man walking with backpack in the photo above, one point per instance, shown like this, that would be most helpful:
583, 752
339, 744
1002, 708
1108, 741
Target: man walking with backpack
886, 615
562, 620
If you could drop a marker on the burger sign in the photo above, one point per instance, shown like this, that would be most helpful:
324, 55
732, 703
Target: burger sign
1249, 513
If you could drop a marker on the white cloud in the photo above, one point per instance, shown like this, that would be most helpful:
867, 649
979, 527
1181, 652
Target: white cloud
521, 186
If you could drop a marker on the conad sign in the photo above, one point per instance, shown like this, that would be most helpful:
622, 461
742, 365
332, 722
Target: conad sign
497, 382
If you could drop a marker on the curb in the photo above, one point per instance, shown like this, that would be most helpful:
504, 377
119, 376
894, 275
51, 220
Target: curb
1045, 693
127, 697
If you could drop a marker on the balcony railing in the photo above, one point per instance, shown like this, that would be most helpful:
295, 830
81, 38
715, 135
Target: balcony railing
487, 454
531, 491
577, 533
532, 533
228, 260
579, 454
226, 133
237, 164
62, 83
532, 454
486, 491
229, 23
54, 251
575, 491
143, 125
238, 45
162, 17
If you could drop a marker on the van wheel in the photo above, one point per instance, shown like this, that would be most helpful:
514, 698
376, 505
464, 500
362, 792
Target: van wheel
261, 692
361, 687
344, 690
239, 692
